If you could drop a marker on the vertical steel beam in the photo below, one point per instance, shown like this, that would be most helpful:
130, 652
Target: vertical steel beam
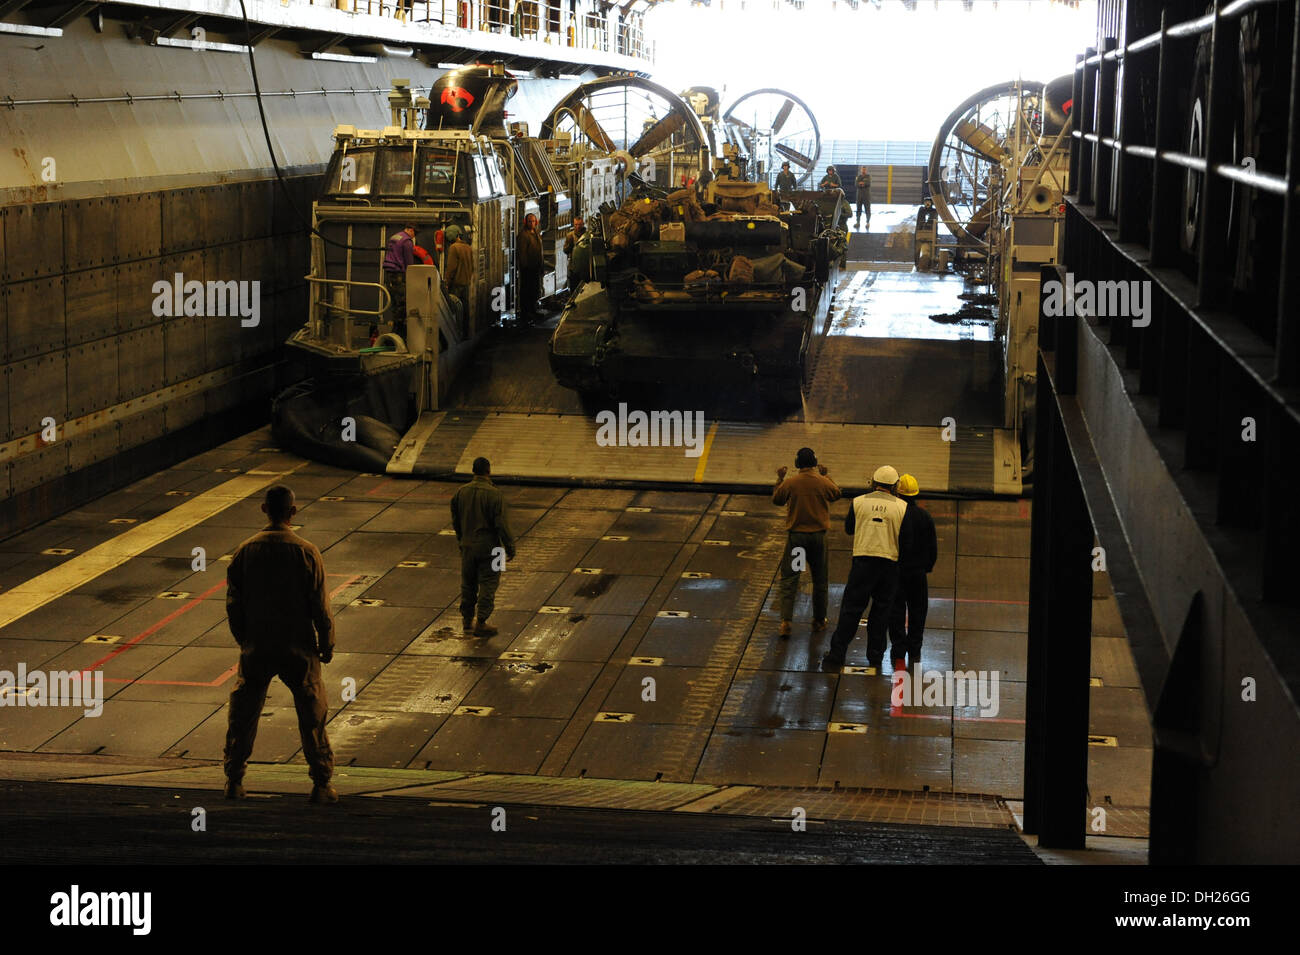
1213, 281
1166, 215
1040, 547
1103, 157
1288, 295
1076, 134
1087, 123
1059, 652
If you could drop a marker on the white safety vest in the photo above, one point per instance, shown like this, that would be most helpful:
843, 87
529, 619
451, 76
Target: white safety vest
877, 517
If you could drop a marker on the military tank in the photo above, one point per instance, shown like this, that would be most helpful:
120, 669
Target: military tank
715, 291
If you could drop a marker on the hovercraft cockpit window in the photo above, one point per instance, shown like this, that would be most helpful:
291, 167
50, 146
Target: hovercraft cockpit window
443, 172
396, 172
350, 173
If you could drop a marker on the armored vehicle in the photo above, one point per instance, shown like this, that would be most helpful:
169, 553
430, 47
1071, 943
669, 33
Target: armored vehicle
721, 290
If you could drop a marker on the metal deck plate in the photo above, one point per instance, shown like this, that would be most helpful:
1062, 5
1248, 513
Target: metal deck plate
888, 762
277, 737
446, 637
524, 591
681, 641
597, 498
342, 515
490, 744
131, 728
969, 615
991, 766
711, 597
402, 517
34, 653
1007, 724
654, 526
1120, 712
26, 730
379, 629
72, 616
536, 553
988, 649
801, 652
556, 636
191, 675
639, 751
1112, 662
735, 562
422, 684
569, 523
534, 687
762, 757
644, 557
862, 699
347, 675
375, 738
362, 552
563, 447
1120, 773
779, 700
604, 593
435, 587
686, 695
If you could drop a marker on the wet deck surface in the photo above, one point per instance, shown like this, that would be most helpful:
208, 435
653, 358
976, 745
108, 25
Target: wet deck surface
402, 829
609, 588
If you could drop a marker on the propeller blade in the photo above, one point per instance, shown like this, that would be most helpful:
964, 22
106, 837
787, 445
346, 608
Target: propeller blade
657, 133
739, 123
981, 139
786, 109
793, 155
979, 222
594, 131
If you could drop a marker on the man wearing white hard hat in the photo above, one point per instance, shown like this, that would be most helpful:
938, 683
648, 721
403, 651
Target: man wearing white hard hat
874, 521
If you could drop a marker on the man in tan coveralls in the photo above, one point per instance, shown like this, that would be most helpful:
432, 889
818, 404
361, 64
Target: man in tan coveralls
279, 614
478, 513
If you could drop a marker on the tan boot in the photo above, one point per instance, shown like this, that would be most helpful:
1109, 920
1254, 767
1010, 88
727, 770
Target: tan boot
324, 795
234, 789
484, 629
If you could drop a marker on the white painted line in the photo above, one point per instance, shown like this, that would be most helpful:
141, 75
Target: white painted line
33, 594
412, 444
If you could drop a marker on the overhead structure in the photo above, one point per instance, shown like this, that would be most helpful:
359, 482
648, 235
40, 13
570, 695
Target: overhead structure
967, 157
771, 126
998, 172
649, 128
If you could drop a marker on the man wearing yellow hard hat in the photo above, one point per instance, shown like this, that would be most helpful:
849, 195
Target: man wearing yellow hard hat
874, 520
918, 550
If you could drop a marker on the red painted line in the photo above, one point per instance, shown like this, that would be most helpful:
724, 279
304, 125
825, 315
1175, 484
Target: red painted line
217, 682
375, 489
157, 626
343, 586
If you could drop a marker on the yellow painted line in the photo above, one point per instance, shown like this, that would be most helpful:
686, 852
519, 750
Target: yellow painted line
704, 455
889, 184
68, 576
